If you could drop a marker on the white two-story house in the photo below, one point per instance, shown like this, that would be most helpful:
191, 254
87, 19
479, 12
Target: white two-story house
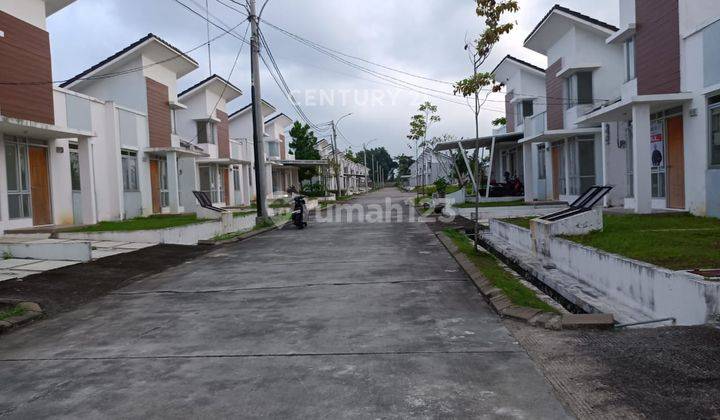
667, 111
525, 109
581, 75
204, 124
140, 82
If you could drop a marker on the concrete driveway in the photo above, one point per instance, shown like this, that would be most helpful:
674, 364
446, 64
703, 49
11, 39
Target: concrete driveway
342, 320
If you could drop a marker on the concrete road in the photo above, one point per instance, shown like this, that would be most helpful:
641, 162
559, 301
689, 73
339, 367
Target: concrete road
341, 320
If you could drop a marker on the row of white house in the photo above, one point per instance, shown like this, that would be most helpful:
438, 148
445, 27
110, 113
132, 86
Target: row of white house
119, 140
636, 107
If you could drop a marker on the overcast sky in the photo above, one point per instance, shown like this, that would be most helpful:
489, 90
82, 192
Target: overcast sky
422, 37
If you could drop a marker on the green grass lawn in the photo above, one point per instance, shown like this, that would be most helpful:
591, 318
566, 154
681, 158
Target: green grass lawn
144, 223
675, 241
9, 313
490, 267
471, 205
520, 221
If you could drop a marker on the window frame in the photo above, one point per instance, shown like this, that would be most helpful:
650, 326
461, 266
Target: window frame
542, 164
713, 105
129, 156
630, 60
23, 190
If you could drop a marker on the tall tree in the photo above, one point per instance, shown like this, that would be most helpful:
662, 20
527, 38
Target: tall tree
382, 159
403, 164
479, 50
304, 147
420, 126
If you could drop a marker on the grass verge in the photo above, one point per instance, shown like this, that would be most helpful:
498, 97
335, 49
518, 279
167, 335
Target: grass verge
9, 313
676, 241
276, 220
520, 221
144, 223
471, 205
490, 267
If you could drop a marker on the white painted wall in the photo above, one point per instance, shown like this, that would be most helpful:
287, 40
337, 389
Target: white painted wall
30, 11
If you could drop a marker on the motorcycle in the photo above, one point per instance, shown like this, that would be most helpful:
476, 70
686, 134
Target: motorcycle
299, 213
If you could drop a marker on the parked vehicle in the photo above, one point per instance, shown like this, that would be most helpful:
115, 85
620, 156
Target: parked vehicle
299, 213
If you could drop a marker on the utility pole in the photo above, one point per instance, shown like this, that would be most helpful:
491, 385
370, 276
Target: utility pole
365, 165
207, 16
337, 163
258, 127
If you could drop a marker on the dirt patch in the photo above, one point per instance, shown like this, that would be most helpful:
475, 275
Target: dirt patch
641, 373
67, 288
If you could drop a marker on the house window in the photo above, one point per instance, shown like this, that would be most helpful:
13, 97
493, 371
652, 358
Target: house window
586, 164
211, 182
273, 149
206, 132
18, 181
74, 168
715, 131
630, 59
542, 169
523, 109
579, 89
129, 170
562, 176
236, 179
164, 187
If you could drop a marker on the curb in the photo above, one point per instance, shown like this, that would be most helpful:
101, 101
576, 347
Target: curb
505, 308
242, 237
32, 312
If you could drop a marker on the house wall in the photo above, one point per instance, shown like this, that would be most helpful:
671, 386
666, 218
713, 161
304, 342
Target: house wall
509, 113
25, 57
223, 133
554, 92
159, 123
128, 89
657, 41
29, 11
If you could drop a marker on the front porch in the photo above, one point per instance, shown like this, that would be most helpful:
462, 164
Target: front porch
645, 150
37, 190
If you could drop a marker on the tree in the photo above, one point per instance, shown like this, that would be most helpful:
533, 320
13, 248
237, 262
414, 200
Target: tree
420, 126
304, 147
350, 156
382, 159
403, 164
478, 51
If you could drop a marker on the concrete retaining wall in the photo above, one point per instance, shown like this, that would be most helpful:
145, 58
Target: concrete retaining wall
662, 292
74, 251
515, 235
183, 235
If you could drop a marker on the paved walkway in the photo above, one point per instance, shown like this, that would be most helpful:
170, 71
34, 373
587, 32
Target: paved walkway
18, 268
342, 320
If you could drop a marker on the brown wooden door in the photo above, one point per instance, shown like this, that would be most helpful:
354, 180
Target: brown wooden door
675, 163
40, 186
556, 172
226, 180
155, 185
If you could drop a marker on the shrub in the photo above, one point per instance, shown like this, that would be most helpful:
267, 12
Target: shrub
441, 185
314, 190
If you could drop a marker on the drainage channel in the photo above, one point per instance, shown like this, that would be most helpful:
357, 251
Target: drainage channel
527, 276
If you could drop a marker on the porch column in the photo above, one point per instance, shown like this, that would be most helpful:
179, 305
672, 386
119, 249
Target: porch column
529, 171
58, 156
87, 182
231, 186
173, 182
566, 152
642, 159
